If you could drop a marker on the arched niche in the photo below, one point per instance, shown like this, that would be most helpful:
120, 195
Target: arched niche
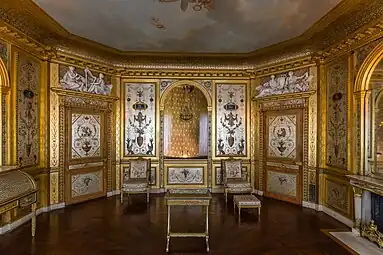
367, 104
166, 92
185, 123
4, 78
4, 84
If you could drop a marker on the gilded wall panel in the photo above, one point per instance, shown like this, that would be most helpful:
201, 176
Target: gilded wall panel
140, 119
337, 195
282, 136
337, 98
4, 119
28, 110
362, 53
230, 120
86, 183
86, 135
4, 53
282, 183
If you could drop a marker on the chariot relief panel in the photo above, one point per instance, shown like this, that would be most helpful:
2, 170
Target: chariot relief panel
28, 109
86, 135
140, 119
230, 120
337, 83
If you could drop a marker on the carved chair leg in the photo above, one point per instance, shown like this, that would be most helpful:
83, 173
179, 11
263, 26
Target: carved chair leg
122, 197
34, 219
147, 196
226, 196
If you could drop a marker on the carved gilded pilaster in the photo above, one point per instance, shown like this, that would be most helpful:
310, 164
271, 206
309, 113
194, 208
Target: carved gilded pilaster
253, 132
54, 135
210, 152
161, 161
322, 110
312, 135
117, 109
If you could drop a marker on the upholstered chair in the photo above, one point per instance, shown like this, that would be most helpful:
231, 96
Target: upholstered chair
235, 181
136, 178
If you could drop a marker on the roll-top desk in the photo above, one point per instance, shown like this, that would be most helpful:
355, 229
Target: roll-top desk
17, 189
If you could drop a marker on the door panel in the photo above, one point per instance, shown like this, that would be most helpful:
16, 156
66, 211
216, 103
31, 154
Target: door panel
85, 162
283, 155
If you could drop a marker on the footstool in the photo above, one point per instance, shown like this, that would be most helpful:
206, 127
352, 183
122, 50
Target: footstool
246, 201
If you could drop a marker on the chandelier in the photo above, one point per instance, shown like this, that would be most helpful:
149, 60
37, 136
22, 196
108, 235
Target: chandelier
197, 5
186, 111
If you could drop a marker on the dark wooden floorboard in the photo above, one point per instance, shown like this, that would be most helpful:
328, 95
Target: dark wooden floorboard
105, 226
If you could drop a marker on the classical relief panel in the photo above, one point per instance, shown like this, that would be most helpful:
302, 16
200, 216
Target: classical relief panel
337, 78
84, 80
337, 195
185, 175
28, 85
86, 135
282, 136
86, 184
140, 119
231, 120
282, 183
291, 82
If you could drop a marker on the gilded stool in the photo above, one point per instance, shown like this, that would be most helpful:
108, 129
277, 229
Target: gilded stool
246, 201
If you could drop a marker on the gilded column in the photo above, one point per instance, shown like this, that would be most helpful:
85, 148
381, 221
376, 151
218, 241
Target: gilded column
117, 109
253, 132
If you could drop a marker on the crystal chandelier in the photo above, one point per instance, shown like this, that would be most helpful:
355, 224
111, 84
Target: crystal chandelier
197, 5
186, 111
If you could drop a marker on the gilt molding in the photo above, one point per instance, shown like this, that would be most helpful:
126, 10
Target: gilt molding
283, 67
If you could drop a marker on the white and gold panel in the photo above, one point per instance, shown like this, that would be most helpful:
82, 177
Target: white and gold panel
87, 184
28, 110
282, 183
139, 174
337, 195
282, 141
231, 120
86, 135
140, 119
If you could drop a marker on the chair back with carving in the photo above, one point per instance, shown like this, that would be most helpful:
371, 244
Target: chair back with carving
139, 169
231, 169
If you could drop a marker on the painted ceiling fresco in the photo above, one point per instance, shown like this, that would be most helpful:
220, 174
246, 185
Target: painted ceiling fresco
225, 26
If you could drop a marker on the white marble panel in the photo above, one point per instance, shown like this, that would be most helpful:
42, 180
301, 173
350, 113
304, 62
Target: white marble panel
185, 175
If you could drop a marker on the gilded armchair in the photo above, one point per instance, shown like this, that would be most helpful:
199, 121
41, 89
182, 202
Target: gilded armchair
234, 179
136, 178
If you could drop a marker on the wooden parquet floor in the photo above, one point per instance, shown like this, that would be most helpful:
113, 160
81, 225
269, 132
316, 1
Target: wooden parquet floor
104, 226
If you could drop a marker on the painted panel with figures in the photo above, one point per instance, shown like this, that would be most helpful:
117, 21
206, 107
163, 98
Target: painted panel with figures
337, 195
140, 119
185, 175
282, 183
86, 135
337, 82
282, 140
84, 80
231, 120
28, 108
285, 83
87, 183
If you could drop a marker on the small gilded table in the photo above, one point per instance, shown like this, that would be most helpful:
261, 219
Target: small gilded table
188, 197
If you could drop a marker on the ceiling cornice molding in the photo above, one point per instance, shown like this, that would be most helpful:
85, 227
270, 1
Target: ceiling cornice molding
360, 38
73, 49
186, 74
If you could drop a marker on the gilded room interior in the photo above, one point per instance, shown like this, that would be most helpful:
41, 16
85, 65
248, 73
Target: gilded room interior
331, 164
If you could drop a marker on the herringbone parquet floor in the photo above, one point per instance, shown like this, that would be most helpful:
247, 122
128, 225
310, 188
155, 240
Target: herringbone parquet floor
104, 226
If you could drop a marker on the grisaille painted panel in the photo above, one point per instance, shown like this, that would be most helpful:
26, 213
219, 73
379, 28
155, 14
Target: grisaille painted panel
140, 119
28, 109
282, 136
185, 175
87, 183
282, 183
86, 135
231, 120
336, 195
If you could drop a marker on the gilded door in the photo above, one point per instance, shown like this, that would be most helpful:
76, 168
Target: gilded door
85, 163
283, 155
